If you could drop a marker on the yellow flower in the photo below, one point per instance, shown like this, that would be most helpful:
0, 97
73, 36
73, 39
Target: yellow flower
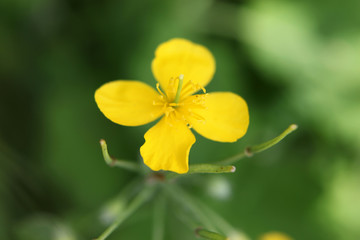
275, 236
182, 69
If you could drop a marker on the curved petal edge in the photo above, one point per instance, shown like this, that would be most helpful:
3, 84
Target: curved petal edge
167, 146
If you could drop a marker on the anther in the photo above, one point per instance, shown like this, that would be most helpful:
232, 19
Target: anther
171, 84
159, 90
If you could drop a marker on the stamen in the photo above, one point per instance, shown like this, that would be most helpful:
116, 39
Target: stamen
196, 116
181, 80
187, 88
177, 91
168, 110
195, 101
192, 87
159, 90
171, 89
202, 88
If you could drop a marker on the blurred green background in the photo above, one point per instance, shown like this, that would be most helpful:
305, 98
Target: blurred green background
293, 62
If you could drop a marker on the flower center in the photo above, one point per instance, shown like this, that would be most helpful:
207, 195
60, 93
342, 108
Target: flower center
177, 101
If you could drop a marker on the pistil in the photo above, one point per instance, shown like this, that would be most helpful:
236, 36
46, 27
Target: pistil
177, 96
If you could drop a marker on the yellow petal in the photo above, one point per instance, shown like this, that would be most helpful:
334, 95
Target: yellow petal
180, 56
225, 117
167, 146
128, 103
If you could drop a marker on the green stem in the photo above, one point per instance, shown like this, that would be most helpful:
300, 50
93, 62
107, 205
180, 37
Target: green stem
203, 233
177, 96
210, 168
250, 151
206, 216
112, 162
188, 220
139, 200
199, 231
111, 208
205, 168
184, 199
159, 217
222, 224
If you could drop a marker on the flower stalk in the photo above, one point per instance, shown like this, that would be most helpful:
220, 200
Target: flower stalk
250, 151
204, 215
113, 162
211, 168
205, 168
135, 204
159, 217
180, 196
203, 233
113, 207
